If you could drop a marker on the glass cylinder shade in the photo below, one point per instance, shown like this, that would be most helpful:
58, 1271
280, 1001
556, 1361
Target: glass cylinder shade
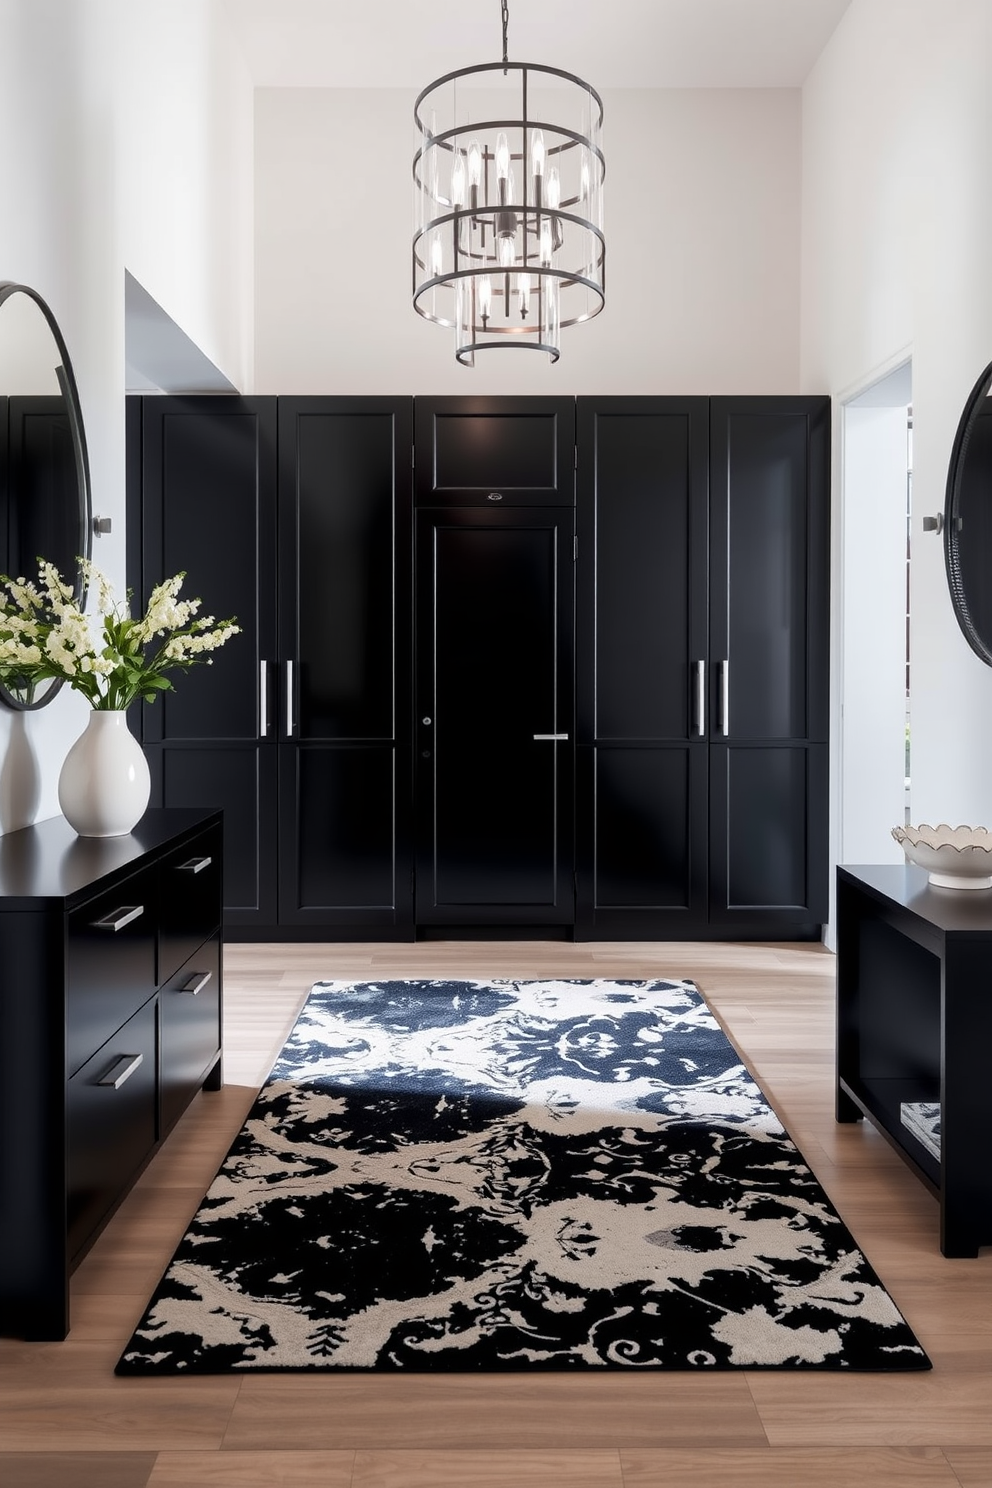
508, 174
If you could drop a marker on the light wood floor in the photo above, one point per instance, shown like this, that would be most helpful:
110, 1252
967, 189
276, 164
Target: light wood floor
65, 1420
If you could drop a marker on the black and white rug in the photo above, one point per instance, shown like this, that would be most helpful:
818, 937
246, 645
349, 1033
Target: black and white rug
513, 1175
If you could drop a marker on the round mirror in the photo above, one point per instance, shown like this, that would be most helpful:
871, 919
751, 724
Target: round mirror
44, 470
968, 519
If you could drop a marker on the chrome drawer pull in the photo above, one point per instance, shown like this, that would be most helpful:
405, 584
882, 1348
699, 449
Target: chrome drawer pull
121, 1070
195, 982
118, 918
195, 865
551, 736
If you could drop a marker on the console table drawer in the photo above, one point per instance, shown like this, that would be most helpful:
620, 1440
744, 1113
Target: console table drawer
189, 1007
190, 903
111, 957
111, 1114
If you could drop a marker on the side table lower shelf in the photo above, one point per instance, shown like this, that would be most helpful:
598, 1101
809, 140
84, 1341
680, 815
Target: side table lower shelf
880, 1101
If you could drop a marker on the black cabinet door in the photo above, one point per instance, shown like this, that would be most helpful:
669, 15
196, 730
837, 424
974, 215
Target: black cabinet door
494, 717
205, 502
345, 654
495, 452
641, 657
769, 578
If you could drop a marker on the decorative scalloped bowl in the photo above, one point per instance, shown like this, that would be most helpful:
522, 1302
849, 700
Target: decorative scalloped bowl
954, 857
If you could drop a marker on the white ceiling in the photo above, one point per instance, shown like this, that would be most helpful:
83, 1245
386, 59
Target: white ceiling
611, 43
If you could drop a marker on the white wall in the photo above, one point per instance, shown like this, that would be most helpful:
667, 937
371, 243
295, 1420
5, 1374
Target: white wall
897, 221
702, 226
122, 150
873, 659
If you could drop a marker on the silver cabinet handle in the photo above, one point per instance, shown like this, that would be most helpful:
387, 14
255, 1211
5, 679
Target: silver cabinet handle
724, 697
118, 918
290, 701
551, 736
121, 1070
699, 698
195, 865
263, 699
195, 982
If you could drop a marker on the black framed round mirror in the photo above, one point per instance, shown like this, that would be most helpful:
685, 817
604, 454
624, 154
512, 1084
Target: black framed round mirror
44, 467
968, 519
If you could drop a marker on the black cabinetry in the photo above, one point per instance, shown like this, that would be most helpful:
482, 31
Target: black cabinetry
702, 666
295, 515
110, 1021
627, 736
914, 1024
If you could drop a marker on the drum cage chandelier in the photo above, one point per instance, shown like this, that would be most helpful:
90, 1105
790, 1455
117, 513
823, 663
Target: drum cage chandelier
508, 175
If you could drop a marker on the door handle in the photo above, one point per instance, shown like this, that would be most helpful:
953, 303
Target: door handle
699, 698
724, 719
551, 736
290, 701
263, 699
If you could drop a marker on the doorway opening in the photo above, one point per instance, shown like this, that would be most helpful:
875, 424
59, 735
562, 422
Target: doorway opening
875, 755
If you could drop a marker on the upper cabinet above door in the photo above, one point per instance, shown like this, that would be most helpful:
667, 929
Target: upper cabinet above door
495, 452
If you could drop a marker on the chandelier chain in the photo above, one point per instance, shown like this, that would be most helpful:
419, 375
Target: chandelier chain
506, 22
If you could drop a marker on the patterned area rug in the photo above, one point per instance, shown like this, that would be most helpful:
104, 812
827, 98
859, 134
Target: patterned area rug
505, 1175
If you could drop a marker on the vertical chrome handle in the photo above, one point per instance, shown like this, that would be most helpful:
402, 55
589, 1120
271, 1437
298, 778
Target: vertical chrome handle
724, 697
699, 698
263, 699
290, 701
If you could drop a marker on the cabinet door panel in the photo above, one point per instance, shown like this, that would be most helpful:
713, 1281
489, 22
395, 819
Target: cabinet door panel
208, 507
338, 864
641, 632
643, 522
643, 828
202, 497
494, 670
240, 780
344, 582
476, 451
768, 552
767, 803
338, 591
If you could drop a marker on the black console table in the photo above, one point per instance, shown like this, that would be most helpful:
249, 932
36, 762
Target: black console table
110, 1021
914, 1024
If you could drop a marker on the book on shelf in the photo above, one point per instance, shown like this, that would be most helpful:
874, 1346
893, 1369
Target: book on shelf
922, 1119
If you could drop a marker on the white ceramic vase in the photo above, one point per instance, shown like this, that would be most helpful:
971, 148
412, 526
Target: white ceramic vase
104, 784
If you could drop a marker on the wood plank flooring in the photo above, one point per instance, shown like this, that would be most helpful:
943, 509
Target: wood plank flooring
65, 1420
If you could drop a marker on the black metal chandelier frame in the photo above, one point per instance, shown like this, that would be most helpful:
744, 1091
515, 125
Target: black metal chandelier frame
502, 263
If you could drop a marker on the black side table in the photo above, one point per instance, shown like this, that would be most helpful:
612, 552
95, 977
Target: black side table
914, 1023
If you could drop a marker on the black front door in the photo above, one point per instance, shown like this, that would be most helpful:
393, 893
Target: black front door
494, 728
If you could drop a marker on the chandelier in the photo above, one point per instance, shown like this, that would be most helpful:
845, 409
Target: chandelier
508, 174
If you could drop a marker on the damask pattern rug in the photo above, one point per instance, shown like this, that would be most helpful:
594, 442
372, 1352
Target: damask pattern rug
513, 1175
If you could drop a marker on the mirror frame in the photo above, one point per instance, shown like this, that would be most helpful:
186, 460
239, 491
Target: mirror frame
952, 527
67, 383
